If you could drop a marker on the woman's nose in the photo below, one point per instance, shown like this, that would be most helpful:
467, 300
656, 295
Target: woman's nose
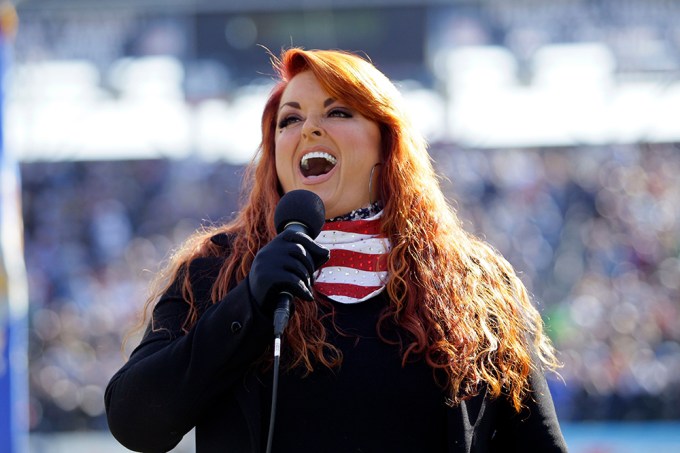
312, 128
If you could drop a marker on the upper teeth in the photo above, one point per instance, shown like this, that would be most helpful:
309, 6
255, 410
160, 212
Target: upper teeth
317, 155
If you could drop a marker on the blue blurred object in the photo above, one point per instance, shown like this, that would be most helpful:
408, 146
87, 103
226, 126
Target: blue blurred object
13, 294
644, 437
660, 437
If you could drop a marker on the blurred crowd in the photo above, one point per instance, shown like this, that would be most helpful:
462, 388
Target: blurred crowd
642, 34
594, 233
96, 233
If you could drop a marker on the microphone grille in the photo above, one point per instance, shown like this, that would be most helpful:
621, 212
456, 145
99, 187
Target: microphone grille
300, 206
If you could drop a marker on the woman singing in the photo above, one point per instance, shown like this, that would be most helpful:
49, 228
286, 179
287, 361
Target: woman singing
408, 334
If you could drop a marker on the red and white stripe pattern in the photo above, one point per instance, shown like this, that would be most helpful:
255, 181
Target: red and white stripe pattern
357, 269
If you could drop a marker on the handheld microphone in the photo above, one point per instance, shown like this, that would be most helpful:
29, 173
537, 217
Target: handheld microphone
303, 211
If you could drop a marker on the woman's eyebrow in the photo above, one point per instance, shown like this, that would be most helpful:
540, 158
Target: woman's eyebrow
296, 105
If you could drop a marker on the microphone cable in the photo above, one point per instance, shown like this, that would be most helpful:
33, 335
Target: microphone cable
281, 316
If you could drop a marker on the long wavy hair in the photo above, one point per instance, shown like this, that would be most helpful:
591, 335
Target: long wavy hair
459, 305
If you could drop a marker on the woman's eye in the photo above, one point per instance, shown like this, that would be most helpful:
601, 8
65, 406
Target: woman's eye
287, 121
340, 113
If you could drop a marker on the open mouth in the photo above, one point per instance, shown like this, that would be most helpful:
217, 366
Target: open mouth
317, 163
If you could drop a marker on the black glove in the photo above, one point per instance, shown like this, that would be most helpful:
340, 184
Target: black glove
286, 264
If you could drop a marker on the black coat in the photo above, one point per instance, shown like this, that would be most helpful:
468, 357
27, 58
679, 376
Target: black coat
174, 382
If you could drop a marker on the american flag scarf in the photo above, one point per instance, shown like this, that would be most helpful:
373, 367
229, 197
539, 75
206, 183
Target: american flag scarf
357, 268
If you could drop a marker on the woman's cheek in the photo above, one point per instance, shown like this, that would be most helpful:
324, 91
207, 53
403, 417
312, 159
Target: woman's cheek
284, 169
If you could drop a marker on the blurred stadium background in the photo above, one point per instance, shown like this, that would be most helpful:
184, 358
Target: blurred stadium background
555, 123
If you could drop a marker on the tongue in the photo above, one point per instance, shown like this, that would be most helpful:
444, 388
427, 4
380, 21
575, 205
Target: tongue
316, 167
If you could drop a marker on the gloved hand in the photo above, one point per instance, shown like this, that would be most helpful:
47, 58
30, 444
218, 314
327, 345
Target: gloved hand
287, 264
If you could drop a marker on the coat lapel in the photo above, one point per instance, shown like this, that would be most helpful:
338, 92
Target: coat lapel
464, 423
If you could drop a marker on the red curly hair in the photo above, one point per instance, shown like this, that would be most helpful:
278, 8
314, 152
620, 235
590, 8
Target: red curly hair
460, 305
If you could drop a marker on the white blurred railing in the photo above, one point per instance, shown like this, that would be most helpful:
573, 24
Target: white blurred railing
60, 111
